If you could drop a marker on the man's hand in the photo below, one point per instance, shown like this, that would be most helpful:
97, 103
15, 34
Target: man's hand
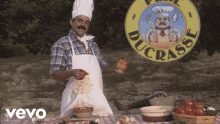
173, 37
79, 74
153, 37
121, 65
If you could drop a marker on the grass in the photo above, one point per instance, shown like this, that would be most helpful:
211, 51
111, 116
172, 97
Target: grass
25, 81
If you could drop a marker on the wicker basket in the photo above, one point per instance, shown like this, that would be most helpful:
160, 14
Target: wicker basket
194, 119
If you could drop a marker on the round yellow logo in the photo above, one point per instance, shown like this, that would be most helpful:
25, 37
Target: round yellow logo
162, 30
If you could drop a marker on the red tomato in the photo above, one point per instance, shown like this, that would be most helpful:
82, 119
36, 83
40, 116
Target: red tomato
198, 105
188, 109
180, 110
199, 112
189, 102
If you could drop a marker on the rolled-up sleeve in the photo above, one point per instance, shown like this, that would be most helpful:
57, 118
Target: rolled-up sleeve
58, 58
101, 61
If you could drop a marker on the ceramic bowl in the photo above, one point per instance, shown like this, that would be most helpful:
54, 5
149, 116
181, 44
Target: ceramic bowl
157, 113
83, 112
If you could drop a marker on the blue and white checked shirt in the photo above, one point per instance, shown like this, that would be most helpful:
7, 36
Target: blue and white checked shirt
61, 53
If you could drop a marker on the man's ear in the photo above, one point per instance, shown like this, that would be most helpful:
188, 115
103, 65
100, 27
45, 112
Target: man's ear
71, 22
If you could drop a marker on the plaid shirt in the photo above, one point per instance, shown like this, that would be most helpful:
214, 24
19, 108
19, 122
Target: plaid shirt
61, 53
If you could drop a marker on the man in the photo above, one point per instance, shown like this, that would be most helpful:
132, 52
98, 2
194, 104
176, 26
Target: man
163, 36
77, 59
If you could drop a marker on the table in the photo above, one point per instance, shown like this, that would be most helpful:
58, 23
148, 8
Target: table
105, 120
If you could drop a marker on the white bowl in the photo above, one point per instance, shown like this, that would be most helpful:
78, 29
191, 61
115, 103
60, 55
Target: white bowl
156, 110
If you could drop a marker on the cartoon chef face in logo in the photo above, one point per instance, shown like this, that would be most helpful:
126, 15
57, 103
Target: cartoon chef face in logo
162, 35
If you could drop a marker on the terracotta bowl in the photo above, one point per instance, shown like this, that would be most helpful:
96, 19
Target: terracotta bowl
83, 112
157, 113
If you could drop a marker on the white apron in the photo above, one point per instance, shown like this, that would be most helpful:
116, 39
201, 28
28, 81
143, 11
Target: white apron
94, 93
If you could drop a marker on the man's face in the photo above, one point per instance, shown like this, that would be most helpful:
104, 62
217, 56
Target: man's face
80, 25
162, 22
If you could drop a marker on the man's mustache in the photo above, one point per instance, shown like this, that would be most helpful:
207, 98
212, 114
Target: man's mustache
162, 24
81, 27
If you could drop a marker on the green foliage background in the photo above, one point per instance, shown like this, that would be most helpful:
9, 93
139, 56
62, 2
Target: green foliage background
32, 26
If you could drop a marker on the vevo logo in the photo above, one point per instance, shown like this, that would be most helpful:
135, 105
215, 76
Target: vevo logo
21, 113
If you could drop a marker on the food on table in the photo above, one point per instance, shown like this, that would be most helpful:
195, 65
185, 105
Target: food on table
188, 110
194, 113
127, 120
180, 110
123, 120
199, 112
194, 109
198, 105
76, 122
189, 102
